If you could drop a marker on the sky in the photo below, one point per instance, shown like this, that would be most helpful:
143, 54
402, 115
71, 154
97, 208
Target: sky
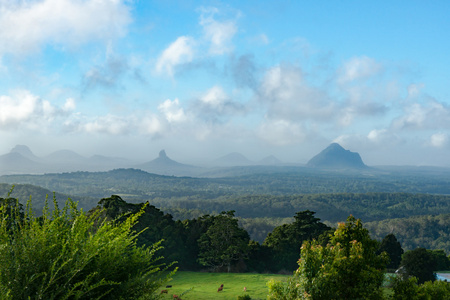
202, 79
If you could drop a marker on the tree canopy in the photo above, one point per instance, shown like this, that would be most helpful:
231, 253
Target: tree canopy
347, 268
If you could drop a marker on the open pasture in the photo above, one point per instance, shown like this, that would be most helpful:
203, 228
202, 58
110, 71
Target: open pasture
205, 285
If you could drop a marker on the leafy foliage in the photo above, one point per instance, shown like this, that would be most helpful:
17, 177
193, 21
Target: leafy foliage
408, 289
419, 263
347, 268
153, 225
223, 243
66, 254
285, 241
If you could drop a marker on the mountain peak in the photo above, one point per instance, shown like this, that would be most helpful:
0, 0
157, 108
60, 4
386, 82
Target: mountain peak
23, 150
335, 156
162, 154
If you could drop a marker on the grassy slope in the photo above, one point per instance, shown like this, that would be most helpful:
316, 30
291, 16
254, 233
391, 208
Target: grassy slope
205, 285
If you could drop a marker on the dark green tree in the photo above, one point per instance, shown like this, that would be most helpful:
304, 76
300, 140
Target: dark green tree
408, 289
154, 224
392, 247
441, 259
420, 264
285, 240
224, 243
194, 229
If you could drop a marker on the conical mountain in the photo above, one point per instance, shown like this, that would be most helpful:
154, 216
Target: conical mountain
163, 165
336, 157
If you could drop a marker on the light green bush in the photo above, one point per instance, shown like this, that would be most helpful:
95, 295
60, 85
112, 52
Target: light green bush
66, 254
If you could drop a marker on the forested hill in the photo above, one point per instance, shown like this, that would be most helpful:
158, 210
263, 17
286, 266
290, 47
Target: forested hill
38, 195
275, 181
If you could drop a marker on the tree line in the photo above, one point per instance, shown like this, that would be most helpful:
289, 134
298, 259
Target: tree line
112, 250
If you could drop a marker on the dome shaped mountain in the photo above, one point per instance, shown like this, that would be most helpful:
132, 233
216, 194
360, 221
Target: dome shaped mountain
233, 159
24, 151
336, 157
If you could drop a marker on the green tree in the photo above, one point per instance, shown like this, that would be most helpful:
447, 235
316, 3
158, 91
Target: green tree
66, 254
224, 243
418, 263
285, 240
442, 261
154, 224
347, 268
408, 289
392, 247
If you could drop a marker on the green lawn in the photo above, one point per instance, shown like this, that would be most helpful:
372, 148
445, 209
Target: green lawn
205, 285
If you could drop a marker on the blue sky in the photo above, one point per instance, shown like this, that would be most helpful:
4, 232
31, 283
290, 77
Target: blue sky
201, 79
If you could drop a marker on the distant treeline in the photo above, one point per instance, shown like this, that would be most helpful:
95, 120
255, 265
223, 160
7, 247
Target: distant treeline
418, 220
140, 185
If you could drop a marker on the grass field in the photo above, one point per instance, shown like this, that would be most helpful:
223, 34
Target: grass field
204, 285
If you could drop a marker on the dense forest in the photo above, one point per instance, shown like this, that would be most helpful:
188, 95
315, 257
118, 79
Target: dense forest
413, 204
251, 181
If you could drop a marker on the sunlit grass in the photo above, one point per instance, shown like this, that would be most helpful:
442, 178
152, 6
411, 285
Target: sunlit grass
205, 285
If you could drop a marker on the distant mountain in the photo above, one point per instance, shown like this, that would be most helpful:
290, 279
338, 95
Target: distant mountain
21, 160
16, 163
163, 165
270, 160
25, 152
66, 157
336, 157
233, 159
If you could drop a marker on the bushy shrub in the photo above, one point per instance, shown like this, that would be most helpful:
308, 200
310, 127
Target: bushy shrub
66, 254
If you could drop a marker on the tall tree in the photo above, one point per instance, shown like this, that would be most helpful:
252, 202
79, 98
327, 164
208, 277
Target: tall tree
286, 240
419, 263
392, 247
224, 243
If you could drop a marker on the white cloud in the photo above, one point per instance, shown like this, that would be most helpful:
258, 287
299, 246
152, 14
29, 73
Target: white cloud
215, 106
69, 105
109, 124
439, 140
151, 125
429, 115
179, 52
357, 68
215, 96
281, 132
28, 25
290, 97
219, 34
25, 110
172, 111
